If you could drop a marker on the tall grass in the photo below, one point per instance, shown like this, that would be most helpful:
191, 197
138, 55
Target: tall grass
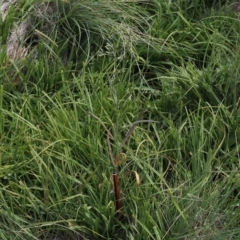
102, 67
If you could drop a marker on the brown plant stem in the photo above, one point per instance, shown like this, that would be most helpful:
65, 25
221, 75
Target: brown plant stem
117, 192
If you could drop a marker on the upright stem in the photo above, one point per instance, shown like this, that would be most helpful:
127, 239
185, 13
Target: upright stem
117, 192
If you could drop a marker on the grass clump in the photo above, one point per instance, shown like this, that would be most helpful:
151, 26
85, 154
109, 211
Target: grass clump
164, 74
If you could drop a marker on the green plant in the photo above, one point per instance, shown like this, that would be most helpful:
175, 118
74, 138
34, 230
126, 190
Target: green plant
66, 114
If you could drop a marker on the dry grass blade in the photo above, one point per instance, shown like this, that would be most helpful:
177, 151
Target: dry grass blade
134, 125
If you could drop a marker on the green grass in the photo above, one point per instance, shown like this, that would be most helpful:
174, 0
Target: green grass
103, 67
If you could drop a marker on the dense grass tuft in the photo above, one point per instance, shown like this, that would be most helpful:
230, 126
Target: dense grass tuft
155, 80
